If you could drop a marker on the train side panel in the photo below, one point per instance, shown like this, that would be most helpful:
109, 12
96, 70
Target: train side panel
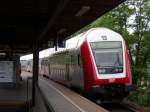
66, 69
76, 71
58, 68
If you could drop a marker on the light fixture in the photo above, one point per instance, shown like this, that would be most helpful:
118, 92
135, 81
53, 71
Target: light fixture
82, 11
62, 30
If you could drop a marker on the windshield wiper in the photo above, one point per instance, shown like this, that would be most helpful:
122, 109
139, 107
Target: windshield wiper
117, 61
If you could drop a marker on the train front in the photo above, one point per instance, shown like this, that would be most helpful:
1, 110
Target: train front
110, 64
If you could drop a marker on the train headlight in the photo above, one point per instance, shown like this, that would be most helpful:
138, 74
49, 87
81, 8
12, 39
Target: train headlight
101, 70
119, 70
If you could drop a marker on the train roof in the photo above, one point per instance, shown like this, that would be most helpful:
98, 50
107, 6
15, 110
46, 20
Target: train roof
74, 43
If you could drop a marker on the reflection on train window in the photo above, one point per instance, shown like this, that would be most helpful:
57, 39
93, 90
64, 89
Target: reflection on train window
61, 59
74, 59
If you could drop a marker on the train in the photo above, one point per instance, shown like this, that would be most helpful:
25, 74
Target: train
96, 62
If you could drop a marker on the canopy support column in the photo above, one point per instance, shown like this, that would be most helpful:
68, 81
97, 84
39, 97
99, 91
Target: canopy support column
35, 71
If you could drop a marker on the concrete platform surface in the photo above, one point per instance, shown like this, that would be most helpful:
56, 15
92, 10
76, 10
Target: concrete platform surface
16, 96
63, 99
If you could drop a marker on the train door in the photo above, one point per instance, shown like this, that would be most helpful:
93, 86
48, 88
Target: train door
76, 71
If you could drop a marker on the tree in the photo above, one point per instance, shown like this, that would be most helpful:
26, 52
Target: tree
142, 27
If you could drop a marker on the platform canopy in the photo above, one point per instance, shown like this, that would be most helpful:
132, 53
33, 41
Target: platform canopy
25, 22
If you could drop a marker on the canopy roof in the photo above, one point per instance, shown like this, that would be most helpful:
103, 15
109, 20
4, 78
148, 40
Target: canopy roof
24, 22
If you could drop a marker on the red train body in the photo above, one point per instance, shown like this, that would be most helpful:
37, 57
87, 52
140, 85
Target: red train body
96, 62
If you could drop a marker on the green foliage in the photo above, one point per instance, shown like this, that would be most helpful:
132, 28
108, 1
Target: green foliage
141, 38
141, 97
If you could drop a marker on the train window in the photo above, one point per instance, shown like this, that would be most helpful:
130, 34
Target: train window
60, 59
79, 60
64, 59
74, 59
108, 57
67, 59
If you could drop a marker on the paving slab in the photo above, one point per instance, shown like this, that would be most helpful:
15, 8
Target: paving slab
63, 99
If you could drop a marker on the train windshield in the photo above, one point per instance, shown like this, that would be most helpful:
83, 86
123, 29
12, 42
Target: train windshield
108, 57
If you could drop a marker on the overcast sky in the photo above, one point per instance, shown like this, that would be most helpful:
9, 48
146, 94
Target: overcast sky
42, 54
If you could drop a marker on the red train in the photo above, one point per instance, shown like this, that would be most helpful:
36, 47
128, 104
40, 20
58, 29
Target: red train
96, 62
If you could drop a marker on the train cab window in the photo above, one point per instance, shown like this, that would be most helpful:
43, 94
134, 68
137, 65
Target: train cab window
108, 57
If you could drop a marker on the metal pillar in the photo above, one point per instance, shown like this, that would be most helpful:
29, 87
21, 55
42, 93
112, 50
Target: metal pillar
35, 71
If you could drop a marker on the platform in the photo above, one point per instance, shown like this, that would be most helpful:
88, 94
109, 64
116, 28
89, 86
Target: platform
16, 97
58, 98
63, 99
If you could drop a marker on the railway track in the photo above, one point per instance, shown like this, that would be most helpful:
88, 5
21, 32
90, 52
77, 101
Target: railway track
118, 107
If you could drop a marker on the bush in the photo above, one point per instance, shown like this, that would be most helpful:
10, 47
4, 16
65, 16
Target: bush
141, 97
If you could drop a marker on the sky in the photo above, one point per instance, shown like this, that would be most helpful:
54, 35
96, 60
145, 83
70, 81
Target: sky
42, 54
131, 20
